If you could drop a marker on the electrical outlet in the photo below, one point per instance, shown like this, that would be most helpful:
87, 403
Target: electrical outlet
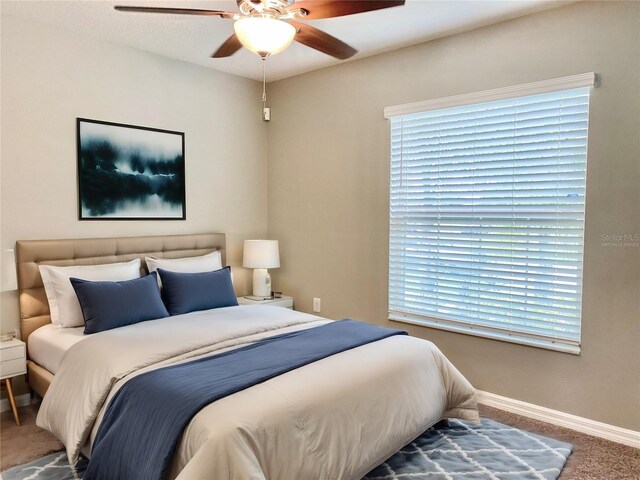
316, 305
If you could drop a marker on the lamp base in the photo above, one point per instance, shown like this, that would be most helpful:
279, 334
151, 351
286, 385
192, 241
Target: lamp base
261, 282
257, 299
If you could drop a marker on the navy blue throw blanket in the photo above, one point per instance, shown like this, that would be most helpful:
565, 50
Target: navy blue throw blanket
145, 419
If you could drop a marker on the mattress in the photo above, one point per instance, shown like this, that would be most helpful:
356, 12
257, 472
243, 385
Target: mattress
48, 344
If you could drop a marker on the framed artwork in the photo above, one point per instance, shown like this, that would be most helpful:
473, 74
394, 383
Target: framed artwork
126, 172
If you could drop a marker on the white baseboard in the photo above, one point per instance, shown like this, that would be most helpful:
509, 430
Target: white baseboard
561, 419
21, 401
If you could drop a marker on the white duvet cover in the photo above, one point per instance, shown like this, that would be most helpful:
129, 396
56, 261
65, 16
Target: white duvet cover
333, 419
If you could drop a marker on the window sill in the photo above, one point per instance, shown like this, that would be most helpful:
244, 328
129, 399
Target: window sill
476, 331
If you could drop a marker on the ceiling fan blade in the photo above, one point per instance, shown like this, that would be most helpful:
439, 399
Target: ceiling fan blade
337, 8
319, 40
176, 11
228, 48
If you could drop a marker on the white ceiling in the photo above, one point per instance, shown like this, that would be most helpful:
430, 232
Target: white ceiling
193, 39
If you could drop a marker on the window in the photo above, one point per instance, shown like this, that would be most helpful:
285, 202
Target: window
487, 212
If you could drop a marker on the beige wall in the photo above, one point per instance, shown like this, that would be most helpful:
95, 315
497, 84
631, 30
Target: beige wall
328, 189
50, 77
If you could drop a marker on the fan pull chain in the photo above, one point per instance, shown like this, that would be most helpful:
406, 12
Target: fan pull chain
264, 81
266, 111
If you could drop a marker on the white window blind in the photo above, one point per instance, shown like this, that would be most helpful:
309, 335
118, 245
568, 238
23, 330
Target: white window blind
487, 218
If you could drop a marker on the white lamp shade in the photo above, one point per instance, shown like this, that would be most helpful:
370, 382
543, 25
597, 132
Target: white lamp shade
261, 254
264, 36
9, 279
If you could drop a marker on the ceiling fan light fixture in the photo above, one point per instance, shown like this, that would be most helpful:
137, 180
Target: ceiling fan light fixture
264, 35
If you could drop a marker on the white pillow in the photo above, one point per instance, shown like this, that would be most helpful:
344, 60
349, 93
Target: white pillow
63, 303
204, 263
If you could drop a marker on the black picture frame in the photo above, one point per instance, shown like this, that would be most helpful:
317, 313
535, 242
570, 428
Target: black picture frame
129, 172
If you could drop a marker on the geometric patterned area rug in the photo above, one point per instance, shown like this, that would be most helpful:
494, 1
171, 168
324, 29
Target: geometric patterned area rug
467, 451
461, 451
50, 467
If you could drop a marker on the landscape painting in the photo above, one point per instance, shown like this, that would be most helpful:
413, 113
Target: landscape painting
127, 172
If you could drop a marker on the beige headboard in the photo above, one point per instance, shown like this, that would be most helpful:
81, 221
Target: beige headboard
34, 308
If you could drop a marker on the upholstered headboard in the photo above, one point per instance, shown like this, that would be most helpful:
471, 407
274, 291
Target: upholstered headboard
34, 308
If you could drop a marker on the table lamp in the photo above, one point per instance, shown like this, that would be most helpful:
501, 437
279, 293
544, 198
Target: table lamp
261, 255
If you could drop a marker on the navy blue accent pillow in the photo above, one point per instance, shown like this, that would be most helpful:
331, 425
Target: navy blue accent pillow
107, 305
189, 292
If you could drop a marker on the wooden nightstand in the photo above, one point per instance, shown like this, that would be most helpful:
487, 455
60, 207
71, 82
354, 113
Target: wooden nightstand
285, 301
13, 362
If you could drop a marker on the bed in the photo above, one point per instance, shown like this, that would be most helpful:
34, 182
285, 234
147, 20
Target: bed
334, 418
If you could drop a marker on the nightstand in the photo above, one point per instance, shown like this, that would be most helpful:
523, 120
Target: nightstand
13, 362
285, 301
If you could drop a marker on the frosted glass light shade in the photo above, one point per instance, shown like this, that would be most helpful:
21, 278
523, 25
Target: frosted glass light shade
261, 254
264, 36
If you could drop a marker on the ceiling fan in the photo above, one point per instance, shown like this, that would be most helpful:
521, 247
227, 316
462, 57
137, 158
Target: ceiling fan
267, 27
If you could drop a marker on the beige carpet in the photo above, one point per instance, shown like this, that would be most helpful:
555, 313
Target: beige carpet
25, 443
592, 458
